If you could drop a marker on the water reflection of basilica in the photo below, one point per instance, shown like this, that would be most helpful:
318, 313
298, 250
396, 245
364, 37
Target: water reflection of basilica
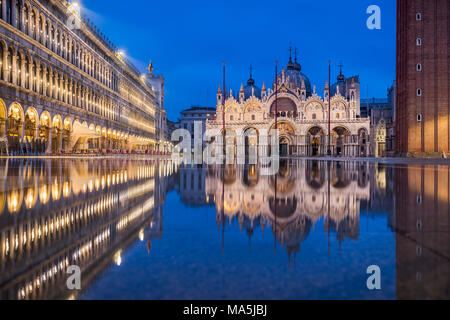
57, 213
293, 201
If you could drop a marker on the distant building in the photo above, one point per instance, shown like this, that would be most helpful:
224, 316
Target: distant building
423, 104
156, 82
192, 115
65, 89
381, 112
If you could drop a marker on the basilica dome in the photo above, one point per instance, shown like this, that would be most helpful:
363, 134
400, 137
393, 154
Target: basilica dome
294, 77
250, 89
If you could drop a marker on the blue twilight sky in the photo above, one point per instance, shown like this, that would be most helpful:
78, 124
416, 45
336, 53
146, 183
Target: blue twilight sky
188, 40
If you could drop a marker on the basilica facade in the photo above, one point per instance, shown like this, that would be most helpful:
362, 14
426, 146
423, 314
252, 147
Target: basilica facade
301, 115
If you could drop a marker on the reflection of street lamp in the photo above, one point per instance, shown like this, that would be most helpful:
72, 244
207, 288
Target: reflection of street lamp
118, 258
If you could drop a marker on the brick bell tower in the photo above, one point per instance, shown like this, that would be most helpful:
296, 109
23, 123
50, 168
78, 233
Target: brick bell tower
423, 77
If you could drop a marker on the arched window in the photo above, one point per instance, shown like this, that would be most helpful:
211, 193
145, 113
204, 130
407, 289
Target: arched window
314, 116
34, 76
41, 82
16, 14
74, 50
253, 117
47, 35
9, 11
41, 30
25, 20
49, 89
9, 69
33, 25
26, 73
58, 43
337, 115
19, 69
419, 117
52, 39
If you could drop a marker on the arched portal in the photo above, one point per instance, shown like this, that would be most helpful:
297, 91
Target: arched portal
341, 139
380, 139
57, 132
67, 131
286, 138
251, 145
45, 125
15, 120
284, 146
316, 142
31, 124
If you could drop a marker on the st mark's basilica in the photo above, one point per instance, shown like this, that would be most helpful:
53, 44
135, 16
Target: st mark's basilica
302, 115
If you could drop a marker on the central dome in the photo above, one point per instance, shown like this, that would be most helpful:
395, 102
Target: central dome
295, 77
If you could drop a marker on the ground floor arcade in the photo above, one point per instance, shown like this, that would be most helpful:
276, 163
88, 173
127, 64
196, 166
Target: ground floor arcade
295, 139
30, 131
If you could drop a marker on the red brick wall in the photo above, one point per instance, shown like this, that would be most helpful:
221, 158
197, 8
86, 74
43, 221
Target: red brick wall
432, 134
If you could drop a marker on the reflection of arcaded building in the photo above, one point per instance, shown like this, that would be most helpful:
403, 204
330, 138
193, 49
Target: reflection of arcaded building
66, 87
54, 214
301, 113
422, 197
300, 195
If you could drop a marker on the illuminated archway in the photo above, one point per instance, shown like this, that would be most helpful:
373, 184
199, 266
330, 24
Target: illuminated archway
316, 141
31, 124
3, 116
57, 131
341, 139
15, 120
67, 131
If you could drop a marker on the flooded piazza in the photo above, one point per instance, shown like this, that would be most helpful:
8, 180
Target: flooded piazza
156, 229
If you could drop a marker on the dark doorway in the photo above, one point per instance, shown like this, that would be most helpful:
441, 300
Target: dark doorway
315, 147
284, 149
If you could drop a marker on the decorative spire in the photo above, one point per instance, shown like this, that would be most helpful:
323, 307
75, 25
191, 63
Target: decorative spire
290, 65
220, 89
303, 84
242, 88
297, 65
264, 86
250, 81
326, 84
340, 77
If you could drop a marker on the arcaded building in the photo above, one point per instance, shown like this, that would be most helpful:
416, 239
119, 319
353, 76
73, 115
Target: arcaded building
302, 115
65, 87
423, 73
